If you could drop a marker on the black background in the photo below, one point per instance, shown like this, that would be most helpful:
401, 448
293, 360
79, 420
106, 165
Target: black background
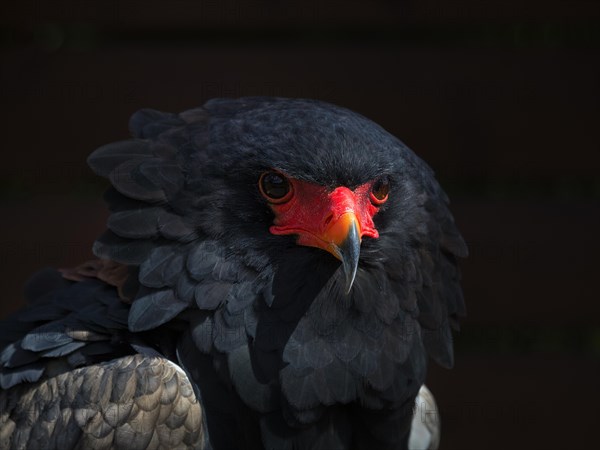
500, 97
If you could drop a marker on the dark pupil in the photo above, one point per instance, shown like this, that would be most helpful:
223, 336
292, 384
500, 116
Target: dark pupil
275, 186
381, 189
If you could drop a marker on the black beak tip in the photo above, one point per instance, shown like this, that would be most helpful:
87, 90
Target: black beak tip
349, 254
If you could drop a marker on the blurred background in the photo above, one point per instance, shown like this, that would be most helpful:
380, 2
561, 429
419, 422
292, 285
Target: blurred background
500, 97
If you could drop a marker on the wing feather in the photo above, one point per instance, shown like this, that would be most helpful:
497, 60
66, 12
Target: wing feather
133, 402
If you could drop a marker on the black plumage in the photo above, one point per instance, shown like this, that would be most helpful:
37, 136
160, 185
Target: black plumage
276, 351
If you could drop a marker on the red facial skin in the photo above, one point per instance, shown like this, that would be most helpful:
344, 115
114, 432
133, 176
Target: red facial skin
322, 218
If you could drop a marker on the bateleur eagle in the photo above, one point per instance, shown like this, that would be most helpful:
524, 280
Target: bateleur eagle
274, 274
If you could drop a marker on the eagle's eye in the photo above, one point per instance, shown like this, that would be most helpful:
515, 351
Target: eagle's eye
380, 191
275, 187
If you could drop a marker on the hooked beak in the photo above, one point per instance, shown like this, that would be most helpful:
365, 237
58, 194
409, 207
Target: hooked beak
345, 246
334, 222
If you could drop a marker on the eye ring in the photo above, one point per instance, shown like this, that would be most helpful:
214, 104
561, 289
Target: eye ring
380, 191
275, 187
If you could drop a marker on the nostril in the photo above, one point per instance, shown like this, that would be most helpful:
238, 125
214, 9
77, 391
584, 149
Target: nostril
328, 219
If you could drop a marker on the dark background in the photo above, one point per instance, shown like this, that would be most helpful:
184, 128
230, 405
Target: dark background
501, 97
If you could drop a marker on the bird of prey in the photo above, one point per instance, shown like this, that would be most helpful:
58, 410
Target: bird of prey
274, 275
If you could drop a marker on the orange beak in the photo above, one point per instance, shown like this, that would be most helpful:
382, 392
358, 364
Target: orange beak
342, 239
